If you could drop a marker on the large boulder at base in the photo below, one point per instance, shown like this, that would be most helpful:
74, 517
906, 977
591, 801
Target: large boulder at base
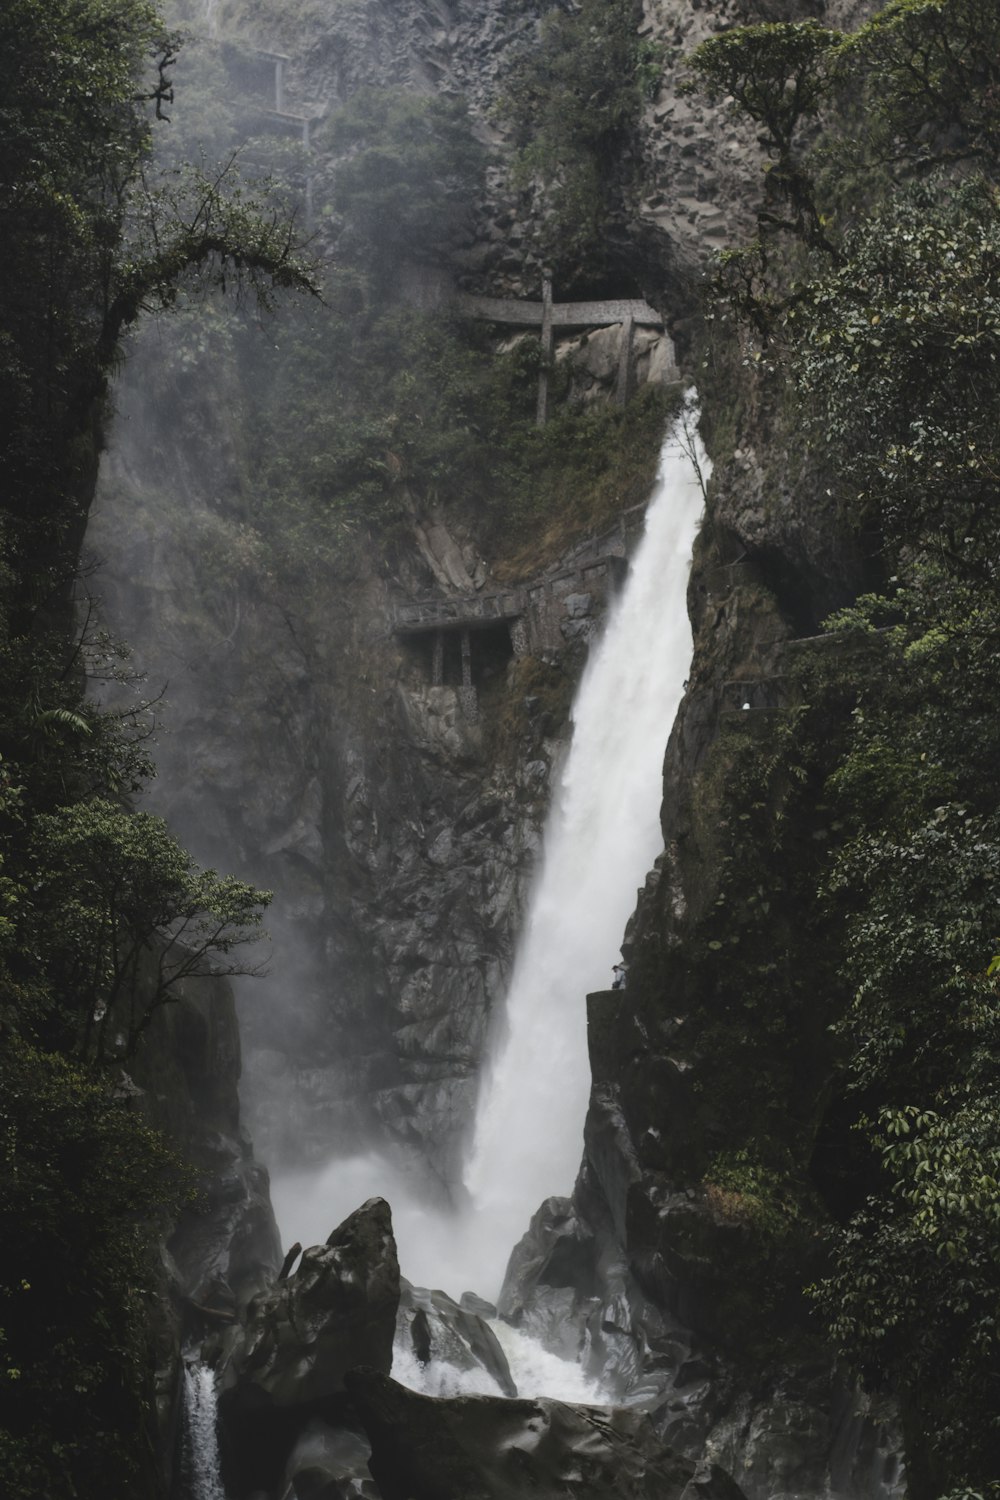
285, 1363
451, 1344
329, 1463
486, 1448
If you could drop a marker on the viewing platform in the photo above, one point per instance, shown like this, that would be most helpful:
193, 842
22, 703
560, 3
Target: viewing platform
548, 315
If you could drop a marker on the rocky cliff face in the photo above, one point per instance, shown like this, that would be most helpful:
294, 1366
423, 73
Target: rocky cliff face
397, 818
224, 1247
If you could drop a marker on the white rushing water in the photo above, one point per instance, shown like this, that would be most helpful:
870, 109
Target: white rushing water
534, 1370
201, 1477
602, 837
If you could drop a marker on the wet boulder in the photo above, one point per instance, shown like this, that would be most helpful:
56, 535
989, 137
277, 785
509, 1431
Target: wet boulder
284, 1364
548, 1291
486, 1448
329, 1463
450, 1341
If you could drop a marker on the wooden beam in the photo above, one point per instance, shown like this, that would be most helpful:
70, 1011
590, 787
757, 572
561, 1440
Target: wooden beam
564, 314
624, 380
547, 347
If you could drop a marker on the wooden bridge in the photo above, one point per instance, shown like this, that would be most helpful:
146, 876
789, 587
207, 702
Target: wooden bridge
548, 315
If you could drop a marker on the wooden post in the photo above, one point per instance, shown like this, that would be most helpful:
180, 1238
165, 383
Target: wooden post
547, 344
466, 659
624, 363
437, 660
467, 695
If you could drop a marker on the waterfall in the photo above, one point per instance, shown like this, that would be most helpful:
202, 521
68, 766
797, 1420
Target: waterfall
200, 1473
602, 837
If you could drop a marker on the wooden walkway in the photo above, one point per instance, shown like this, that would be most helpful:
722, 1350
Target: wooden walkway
548, 315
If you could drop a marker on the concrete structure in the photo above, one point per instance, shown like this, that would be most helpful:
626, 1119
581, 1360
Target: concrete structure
462, 637
257, 77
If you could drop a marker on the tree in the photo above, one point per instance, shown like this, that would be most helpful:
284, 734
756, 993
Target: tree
933, 74
778, 74
101, 913
898, 349
884, 346
572, 98
410, 168
90, 241
81, 1179
123, 916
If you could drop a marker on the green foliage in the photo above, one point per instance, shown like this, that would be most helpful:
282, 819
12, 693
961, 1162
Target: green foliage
777, 73
90, 895
883, 333
912, 1299
363, 414
572, 99
123, 916
934, 73
81, 1183
901, 355
409, 167
71, 135
741, 1187
90, 240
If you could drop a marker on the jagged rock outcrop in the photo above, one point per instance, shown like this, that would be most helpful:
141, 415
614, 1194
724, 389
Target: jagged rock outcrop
481, 1448
586, 1287
285, 1364
455, 1339
329, 1463
224, 1247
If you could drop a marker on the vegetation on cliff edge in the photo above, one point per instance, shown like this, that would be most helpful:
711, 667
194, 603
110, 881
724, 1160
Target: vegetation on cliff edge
88, 890
866, 312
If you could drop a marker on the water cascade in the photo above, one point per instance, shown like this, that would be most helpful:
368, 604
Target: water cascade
201, 1475
602, 837
534, 1370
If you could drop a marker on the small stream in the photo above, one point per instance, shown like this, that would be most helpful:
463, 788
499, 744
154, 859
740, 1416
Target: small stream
201, 1477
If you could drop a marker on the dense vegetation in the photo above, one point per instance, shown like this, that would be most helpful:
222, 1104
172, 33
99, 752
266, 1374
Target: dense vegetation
572, 101
867, 316
92, 896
